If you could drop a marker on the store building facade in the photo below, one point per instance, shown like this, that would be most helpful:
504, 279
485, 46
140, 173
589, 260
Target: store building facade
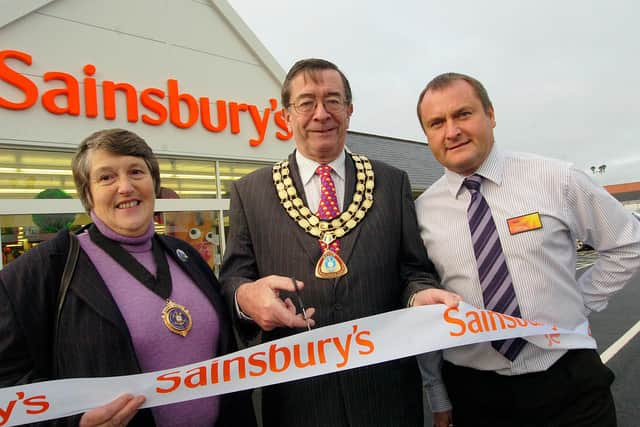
187, 75
628, 194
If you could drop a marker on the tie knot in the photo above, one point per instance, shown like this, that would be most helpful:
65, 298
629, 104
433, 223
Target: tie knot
472, 183
323, 170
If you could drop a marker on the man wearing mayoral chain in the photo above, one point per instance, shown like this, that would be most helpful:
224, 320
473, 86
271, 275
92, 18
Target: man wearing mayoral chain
337, 231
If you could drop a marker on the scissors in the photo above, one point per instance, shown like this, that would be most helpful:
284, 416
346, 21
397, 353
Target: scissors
304, 311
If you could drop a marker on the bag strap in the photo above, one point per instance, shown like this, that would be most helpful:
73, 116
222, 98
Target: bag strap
69, 268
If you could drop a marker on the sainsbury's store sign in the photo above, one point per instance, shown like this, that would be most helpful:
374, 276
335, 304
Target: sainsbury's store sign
154, 106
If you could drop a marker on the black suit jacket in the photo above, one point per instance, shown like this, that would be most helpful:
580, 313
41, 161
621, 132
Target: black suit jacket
93, 338
387, 262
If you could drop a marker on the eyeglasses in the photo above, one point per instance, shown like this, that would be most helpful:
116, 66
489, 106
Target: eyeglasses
332, 105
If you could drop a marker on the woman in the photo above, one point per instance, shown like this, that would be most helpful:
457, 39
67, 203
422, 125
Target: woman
137, 301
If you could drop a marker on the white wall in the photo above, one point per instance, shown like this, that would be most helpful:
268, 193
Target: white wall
144, 43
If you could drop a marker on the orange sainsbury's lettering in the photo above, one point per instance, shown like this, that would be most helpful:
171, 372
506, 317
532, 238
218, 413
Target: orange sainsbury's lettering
274, 350
277, 359
221, 108
257, 360
5, 412
174, 377
39, 402
474, 324
282, 124
109, 89
196, 377
154, 106
242, 370
234, 115
363, 342
214, 372
70, 92
17, 80
150, 99
90, 91
260, 122
477, 321
344, 349
32, 405
321, 353
175, 98
460, 323
297, 358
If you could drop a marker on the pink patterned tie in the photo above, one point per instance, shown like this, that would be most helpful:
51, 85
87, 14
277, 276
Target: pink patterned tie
328, 207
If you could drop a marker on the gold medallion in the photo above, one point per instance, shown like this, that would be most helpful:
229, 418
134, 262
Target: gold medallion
330, 266
177, 318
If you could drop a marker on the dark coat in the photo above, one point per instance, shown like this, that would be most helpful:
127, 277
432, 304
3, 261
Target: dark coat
387, 263
93, 338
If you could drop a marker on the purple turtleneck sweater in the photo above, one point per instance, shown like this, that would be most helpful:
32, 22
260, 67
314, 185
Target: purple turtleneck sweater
155, 346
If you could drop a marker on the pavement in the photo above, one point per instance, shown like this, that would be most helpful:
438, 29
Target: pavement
607, 327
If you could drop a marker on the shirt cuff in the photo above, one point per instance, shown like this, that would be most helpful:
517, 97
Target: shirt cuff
412, 298
438, 398
239, 312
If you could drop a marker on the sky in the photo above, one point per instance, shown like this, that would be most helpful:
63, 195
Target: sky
563, 75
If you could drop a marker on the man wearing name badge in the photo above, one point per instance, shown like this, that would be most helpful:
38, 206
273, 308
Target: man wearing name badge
500, 229
342, 230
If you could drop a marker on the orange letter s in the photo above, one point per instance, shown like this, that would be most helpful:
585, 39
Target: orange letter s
449, 319
17, 80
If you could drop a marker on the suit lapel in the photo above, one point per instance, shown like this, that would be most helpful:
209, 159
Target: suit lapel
312, 251
295, 176
204, 282
348, 242
89, 286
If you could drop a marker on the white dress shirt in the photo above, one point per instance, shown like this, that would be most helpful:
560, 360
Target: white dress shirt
311, 181
542, 262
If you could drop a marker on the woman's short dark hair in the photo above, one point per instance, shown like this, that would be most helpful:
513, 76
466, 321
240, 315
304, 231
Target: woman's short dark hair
116, 141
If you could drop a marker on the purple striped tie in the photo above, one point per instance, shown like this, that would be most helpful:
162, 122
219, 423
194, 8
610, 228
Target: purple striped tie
497, 287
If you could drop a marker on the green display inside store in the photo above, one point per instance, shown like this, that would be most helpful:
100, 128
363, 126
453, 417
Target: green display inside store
52, 223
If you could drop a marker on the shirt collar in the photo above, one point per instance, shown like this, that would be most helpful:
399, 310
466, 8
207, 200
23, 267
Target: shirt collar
492, 170
307, 167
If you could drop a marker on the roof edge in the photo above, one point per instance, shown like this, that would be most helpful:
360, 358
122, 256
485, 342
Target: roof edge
13, 9
627, 187
242, 29
394, 138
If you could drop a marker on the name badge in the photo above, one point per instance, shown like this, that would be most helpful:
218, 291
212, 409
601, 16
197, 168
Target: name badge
528, 222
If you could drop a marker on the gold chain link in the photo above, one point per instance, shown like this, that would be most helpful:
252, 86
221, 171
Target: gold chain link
326, 230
